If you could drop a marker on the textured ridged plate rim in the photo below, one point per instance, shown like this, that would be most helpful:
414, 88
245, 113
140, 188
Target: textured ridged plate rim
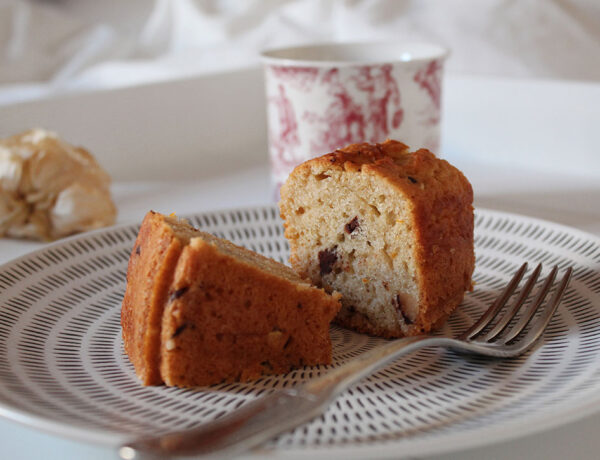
442, 442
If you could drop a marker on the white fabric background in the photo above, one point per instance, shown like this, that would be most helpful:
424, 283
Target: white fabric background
55, 46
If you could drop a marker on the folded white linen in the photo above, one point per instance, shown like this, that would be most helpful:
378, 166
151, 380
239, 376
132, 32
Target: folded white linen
65, 45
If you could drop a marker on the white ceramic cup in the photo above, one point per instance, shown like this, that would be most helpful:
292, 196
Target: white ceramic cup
323, 97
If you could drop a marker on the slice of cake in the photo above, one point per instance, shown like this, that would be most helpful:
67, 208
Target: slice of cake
200, 310
389, 229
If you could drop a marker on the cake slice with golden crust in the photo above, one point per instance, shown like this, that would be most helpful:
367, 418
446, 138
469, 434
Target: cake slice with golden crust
391, 230
200, 310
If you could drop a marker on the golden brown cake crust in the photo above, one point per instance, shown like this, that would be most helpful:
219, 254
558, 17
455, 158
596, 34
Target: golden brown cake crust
199, 310
252, 322
440, 200
149, 275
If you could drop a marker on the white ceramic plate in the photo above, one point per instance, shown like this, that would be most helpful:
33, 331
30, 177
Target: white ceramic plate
63, 369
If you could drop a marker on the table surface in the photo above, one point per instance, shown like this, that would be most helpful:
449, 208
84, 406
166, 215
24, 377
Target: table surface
562, 191
567, 199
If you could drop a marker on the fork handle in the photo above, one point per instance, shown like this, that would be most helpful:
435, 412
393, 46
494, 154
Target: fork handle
266, 417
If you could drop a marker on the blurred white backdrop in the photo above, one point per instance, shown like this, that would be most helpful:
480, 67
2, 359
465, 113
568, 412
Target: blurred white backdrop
50, 47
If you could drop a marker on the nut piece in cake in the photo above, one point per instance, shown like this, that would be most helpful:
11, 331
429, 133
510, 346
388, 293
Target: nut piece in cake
391, 230
200, 310
50, 189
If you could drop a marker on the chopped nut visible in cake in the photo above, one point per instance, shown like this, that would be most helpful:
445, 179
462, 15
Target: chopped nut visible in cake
389, 229
397, 302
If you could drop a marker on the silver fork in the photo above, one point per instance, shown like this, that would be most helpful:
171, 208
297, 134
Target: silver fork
282, 410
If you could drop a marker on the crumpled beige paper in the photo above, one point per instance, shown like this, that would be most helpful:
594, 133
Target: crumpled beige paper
50, 189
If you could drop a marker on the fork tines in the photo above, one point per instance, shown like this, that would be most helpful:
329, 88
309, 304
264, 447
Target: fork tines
484, 331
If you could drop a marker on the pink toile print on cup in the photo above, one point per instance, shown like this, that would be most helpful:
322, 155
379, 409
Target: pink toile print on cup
323, 97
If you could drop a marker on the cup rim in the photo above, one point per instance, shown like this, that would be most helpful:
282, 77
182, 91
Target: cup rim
288, 56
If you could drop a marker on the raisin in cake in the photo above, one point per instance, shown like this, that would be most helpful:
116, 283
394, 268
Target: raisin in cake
389, 229
200, 310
